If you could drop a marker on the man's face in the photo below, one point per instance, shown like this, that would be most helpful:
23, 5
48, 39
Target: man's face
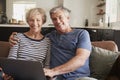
60, 21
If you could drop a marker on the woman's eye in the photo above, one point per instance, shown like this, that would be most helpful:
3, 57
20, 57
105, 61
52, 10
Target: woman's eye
38, 20
31, 20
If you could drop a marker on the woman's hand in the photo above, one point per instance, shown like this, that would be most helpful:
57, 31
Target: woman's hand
5, 76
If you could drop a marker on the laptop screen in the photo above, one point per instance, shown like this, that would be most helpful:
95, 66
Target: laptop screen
22, 70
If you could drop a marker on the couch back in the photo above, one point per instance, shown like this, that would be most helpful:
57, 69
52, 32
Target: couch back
109, 45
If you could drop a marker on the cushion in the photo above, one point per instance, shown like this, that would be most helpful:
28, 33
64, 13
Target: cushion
101, 61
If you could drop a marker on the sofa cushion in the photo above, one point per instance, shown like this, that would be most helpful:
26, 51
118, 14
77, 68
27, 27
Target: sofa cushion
101, 61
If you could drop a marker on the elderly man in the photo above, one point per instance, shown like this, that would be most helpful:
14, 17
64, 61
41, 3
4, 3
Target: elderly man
70, 48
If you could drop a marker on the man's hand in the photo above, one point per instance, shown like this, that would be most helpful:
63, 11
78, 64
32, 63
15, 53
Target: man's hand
48, 72
12, 40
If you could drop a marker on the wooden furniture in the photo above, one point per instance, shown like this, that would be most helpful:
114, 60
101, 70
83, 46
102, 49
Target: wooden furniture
96, 34
2, 6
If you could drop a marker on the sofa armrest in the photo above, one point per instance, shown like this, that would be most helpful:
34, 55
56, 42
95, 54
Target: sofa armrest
109, 45
4, 48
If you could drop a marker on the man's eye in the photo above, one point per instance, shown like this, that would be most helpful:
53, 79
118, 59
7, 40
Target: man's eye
60, 17
54, 19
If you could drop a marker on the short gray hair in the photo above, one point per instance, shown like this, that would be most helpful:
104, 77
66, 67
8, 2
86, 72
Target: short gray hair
55, 9
34, 11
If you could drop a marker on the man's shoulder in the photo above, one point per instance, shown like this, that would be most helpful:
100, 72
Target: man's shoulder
81, 30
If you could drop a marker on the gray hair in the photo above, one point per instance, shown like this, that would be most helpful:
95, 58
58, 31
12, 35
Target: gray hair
35, 11
65, 10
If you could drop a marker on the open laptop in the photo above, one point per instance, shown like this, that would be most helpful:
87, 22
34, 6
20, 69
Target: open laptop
22, 70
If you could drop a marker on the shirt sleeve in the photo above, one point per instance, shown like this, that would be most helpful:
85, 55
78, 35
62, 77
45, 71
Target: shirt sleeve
84, 40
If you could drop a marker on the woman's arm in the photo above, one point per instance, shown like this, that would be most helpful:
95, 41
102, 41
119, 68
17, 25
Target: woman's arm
47, 60
13, 53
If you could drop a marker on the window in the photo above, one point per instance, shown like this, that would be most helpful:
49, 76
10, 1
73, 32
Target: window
111, 11
20, 8
118, 14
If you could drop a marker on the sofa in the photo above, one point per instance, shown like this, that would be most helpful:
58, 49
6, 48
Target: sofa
103, 55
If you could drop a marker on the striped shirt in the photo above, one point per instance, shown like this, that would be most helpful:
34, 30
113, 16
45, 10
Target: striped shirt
30, 49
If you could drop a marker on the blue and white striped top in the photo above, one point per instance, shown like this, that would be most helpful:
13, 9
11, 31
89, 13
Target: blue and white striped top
31, 49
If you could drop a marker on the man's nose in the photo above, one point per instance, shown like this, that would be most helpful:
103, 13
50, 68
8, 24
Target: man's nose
58, 20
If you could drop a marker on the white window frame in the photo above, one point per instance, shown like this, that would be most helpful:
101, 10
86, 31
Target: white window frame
111, 11
20, 8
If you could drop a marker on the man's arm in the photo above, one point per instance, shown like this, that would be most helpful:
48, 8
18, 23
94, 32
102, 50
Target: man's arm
12, 39
77, 61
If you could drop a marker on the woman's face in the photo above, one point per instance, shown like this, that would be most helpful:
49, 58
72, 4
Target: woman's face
35, 22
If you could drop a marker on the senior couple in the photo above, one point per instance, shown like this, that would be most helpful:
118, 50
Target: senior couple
68, 49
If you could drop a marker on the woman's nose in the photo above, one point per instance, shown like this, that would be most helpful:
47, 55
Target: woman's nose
35, 22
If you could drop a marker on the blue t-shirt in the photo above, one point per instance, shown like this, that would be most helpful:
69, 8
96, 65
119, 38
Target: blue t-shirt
64, 48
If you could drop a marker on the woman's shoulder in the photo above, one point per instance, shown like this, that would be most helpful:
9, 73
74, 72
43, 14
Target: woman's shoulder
19, 34
47, 38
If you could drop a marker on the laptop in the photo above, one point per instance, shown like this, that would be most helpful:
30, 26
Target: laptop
22, 70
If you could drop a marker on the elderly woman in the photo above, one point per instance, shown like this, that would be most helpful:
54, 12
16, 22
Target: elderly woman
32, 45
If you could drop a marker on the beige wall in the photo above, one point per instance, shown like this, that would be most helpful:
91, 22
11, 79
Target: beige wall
81, 9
